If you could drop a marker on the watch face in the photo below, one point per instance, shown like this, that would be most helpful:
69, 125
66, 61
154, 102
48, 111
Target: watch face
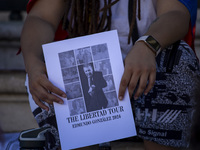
153, 43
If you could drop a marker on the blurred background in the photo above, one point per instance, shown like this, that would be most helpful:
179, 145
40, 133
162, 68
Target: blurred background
15, 113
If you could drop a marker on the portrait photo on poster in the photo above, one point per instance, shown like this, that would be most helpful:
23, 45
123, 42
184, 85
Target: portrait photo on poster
88, 79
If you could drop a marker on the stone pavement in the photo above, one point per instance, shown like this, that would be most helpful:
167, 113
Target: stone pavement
11, 143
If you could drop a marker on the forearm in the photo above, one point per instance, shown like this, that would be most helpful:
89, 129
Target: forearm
35, 33
172, 23
39, 28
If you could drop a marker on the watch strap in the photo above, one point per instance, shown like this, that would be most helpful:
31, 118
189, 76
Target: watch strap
151, 42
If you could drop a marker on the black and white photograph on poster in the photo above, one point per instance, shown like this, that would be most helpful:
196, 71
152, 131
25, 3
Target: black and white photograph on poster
96, 77
110, 83
83, 55
70, 75
93, 83
73, 90
76, 106
100, 51
112, 99
89, 70
67, 59
103, 66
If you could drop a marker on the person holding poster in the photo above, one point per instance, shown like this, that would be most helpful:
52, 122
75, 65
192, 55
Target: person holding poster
163, 105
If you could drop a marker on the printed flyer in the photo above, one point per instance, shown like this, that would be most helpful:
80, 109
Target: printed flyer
89, 70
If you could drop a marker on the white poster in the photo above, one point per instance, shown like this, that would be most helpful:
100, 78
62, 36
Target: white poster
89, 70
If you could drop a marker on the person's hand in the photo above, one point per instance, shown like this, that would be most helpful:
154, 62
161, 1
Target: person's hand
140, 68
41, 88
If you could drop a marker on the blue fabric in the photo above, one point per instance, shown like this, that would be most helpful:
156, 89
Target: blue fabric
192, 7
9, 141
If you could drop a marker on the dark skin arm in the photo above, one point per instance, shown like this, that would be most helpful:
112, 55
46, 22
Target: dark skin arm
172, 24
39, 28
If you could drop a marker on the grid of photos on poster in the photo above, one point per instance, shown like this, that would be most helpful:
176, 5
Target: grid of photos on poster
88, 79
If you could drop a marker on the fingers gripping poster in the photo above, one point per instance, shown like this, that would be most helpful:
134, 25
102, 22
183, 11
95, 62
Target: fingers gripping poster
89, 70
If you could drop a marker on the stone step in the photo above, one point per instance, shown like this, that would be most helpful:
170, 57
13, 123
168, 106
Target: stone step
9, 60
15, 113
10, 30
12, 82
14, 98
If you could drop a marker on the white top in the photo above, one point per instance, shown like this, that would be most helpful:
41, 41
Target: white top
121, 23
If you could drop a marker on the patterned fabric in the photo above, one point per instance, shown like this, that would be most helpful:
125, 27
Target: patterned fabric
47, 119
164, 115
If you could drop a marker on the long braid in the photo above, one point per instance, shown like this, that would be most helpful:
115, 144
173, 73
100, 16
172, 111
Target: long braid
139, 10
86, 19
104, 16
69, 28
133, 20
79, 10
109, 16
67, 8
86, 16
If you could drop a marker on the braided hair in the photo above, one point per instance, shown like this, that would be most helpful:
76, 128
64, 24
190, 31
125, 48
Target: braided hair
86, 17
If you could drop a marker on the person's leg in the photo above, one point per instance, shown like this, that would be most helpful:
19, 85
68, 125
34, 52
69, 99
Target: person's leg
154, 146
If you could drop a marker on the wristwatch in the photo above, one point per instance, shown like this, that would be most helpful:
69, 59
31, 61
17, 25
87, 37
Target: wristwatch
152, 43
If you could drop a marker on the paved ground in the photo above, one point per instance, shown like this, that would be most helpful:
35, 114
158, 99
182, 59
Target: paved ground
9, 141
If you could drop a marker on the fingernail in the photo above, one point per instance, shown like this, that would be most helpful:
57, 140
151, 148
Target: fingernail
60, 102
145, 94
64, 95
135, 98
120, 98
